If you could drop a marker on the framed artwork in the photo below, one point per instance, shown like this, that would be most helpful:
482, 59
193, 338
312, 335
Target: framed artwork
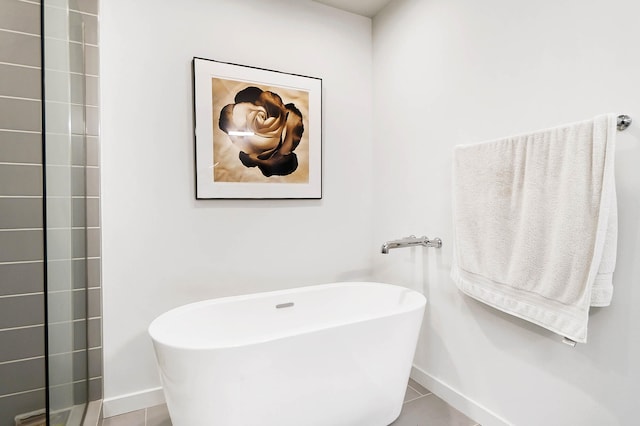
258, 132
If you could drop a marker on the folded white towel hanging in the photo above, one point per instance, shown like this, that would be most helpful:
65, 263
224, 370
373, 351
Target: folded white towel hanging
535, 223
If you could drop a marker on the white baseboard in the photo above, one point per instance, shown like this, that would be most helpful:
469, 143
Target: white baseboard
132, 402
460, 402
151, 397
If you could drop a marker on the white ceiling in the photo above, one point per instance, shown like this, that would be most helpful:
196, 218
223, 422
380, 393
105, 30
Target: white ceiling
367, 8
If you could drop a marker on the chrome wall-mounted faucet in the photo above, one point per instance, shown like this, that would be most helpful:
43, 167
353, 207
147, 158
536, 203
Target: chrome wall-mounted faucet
411, 241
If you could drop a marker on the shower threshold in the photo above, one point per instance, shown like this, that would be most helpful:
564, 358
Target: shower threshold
68, 417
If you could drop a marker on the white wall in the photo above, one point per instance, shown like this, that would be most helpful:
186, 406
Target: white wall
458, 71
445, 72
161, 247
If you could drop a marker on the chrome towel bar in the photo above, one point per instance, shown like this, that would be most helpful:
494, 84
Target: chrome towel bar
411, 241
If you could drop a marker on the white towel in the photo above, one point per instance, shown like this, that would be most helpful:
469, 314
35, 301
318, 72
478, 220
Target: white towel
535, 223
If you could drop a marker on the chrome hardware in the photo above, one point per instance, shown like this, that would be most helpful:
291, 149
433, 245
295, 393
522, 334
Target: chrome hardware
624, 121
284, 305
411, 241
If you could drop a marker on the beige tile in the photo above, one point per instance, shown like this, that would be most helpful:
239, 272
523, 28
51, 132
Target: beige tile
410, 394
57, 115
94, 308
93, 272
78, 123
93, 60
60, 306
59, 245
59, 274
93, 182
57, 23
21, 278
135, 418
79, 61
21, 49
79, 391
79, 363
78, 179
92, 90
79, 335
86, 6
11, 406
60, 181
77, 119
93, 151
76, 88
85, 153
95, 332
79, 298
95, 389
95, 362
20, 114
93, 120
158, 416
93, 242
61, 368
22, 376
78, 150
19, 180
93, 212
21, 343
418, 387
58, 86
79, 243
430, 410
58, 148
17, 246
57, 56
20, 82
20, 213
59, 213
58, 3
61, 337
19, 147
20, 16
80, 278
81, 86
90, 27
61, 397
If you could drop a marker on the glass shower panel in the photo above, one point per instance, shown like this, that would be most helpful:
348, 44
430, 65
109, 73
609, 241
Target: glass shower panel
66, 234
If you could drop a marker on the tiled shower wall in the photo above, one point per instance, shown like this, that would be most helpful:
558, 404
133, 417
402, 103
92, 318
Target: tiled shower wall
22, 363
22, 331
73, 204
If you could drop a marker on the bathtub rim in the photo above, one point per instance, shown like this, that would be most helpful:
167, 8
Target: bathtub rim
417, 305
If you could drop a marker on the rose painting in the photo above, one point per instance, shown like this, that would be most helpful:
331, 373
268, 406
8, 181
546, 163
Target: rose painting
259, 132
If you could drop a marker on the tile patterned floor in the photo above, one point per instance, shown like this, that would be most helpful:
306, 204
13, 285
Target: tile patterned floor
421, 408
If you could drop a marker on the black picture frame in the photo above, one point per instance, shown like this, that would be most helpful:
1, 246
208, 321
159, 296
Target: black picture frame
257, 132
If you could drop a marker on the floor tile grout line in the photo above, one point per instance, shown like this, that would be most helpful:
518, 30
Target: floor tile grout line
418, 392
415, 399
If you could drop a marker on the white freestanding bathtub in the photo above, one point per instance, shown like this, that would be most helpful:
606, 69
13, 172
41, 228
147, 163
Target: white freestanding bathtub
326, 355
